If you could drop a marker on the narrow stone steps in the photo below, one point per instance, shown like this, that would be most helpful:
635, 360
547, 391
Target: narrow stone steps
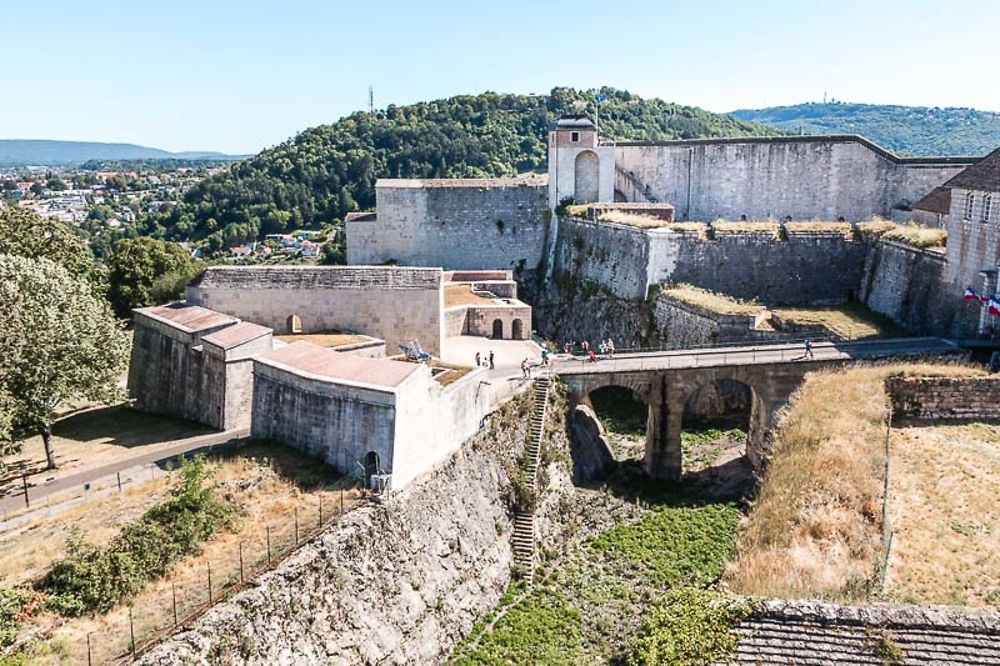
523, 537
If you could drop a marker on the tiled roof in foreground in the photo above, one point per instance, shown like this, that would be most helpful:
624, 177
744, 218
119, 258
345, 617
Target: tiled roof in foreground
809, 633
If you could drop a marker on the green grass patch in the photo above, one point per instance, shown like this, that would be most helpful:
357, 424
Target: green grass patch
590, 609
619, 411
689, 627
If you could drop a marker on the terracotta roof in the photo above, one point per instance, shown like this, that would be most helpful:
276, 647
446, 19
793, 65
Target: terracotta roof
361, 216
190, 318
937, 200
332, 365
983, 176
234, 336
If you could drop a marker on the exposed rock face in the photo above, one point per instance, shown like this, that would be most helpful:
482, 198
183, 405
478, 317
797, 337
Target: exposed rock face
592, 459
399, 582
395, 583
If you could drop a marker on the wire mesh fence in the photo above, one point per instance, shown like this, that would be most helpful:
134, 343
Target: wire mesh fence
193, 587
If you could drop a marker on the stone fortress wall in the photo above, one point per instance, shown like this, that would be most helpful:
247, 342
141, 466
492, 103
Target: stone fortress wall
470, 223
808, 177
392, 303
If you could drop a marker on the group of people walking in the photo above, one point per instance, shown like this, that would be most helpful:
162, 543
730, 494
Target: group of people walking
485, 361
605, 348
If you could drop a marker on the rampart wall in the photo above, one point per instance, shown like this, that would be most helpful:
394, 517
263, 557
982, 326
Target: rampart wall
455, 224
395, 304
945, 398
804, 177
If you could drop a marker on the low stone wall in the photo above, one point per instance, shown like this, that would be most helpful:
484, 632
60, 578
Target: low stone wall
680, 323
945, 398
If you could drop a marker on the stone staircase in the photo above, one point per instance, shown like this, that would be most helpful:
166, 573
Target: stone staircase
523, 538
627, 183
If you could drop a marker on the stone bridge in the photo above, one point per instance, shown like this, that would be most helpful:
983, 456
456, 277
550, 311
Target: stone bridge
666, 381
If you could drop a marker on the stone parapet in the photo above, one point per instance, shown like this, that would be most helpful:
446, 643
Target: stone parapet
945, 398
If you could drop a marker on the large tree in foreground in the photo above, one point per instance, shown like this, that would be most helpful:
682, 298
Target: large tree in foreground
58, 342
27, 234
147, 271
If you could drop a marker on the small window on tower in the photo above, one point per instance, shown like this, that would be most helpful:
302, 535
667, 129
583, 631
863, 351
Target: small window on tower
574, 137
987, 207
970, 201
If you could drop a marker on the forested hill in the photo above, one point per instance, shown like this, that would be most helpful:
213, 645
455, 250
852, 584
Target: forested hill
906, 130
327, 171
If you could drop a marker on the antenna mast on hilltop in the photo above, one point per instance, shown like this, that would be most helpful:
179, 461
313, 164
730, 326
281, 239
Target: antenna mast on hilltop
371, 100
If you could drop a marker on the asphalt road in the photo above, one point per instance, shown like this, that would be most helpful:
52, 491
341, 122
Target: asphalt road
756, 355
38, 493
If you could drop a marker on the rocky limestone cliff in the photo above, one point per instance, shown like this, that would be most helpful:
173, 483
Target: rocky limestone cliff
399, 582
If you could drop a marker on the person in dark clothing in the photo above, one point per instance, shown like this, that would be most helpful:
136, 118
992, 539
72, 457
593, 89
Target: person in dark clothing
492, 366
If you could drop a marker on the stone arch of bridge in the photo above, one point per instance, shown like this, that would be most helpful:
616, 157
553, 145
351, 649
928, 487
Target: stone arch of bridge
717, 398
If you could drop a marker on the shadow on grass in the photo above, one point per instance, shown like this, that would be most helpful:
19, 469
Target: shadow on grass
121, 425
306, 473
631, 484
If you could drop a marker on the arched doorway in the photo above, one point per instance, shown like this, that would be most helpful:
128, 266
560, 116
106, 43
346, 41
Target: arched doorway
716, 431
371, 467
517, 330
624, 417
587, 177
497, 329
294, 324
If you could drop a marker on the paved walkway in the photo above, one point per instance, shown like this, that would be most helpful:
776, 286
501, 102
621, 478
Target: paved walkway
756, 355
38, 493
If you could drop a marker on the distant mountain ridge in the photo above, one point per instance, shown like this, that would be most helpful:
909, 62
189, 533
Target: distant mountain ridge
906, 130
42, 152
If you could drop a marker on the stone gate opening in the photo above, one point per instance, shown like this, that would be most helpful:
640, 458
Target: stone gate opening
587, 177
517, 330
294, 324
498, 329
717, 427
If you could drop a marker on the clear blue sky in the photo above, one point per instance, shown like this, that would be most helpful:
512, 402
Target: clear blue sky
239, 76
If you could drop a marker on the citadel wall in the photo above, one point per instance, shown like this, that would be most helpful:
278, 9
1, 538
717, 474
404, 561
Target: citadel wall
801, 177
456, 224
392, 303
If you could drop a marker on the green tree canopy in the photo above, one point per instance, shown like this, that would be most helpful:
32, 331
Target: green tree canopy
145, 271
27, 234
58, 342
324, 172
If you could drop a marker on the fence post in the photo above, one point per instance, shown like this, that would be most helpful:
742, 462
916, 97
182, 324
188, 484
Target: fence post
173, 592
341, 501
241, 562
321, 512
295, 512
268, 545
119, 475
27, 501
90, 660
209, 566
131, 631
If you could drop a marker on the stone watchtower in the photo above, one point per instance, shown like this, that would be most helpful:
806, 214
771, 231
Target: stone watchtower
579, 167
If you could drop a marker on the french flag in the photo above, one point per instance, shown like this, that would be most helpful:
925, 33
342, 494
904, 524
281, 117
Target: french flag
993, 308
971, 295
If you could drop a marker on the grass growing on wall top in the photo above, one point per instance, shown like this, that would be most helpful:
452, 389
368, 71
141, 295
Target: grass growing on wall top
710, 300
911, 233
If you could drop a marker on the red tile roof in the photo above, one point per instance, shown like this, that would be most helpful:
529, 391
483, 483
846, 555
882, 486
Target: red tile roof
335, 365
236, 335
188, 317
937, 201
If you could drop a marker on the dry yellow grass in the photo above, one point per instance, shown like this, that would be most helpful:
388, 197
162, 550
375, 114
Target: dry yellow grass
325, 339
633, 219
462, 294
848, 323
748, 227
814, 531
269, 483
818, 226
911, 233
710, 300
944, 485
